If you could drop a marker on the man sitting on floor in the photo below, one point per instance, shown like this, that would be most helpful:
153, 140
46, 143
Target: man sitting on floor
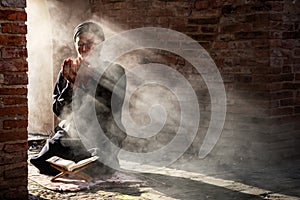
66, 143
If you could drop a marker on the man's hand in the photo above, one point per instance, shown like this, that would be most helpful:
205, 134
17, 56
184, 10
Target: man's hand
70, 69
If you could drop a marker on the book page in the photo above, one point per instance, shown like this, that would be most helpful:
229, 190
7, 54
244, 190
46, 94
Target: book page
69, 164
66, 164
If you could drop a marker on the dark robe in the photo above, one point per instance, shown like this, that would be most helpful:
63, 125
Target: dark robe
66, 142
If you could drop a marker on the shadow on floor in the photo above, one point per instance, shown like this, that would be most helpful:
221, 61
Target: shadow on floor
181, 188
282, 178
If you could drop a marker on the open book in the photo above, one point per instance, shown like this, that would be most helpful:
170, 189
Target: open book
70, 165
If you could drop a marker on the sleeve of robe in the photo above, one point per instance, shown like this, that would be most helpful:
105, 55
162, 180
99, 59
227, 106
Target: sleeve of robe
62, 95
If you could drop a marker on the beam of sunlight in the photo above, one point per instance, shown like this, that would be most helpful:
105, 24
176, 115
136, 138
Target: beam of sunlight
40, 67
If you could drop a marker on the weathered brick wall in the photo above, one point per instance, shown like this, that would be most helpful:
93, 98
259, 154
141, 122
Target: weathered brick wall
13, 100
255, 46
284, 78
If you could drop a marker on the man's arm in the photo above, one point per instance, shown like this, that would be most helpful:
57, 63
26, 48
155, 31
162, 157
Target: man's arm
62, 95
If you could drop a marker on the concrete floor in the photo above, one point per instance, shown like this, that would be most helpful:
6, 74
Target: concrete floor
192, 180
189, 179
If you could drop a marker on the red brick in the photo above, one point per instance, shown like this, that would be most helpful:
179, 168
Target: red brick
275, 43
276, 62
273, 104
256, 67
14, 3
13, 100
206, 45
119, 5
288, 26
282, 95
286, 102
296, 69
286, 69
262, 53
276, 6
282, 77
217, 4
16, 172
258, 18
261, 7
209, 29
220, 45
155, 4
243, 78
297, 101
260, 78
226, 37
16, 52
179, 21
13, 66
240, 44
297, 109
287, 44
251, 35
13, 91
202, 37
151, 20
16, 79
185, 29
275, 86
201, 4
9, 148
276, 52
275, 70
14, 28
296, 61
297, 52
183, 12
287, 61
297, 76
236, 28
13, 135
276, 16
275, 34
154, 13
12, 158
12, 15
291, 85
272, 25
291, 35
10, 124
282, 111
261, 43
164, 20
261, 26
13, 111
201, 21
11, 40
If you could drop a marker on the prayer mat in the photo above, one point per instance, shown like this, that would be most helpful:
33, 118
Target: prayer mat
72, 183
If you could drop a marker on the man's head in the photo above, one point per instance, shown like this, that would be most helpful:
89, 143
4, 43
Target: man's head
86, 36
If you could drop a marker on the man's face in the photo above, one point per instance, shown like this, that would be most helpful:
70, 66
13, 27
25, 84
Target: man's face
85, 43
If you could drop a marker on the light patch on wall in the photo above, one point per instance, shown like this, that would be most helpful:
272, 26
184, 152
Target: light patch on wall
40, 73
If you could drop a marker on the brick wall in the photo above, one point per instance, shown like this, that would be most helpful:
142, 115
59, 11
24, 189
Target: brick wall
284, 78
255, 46
13, 100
